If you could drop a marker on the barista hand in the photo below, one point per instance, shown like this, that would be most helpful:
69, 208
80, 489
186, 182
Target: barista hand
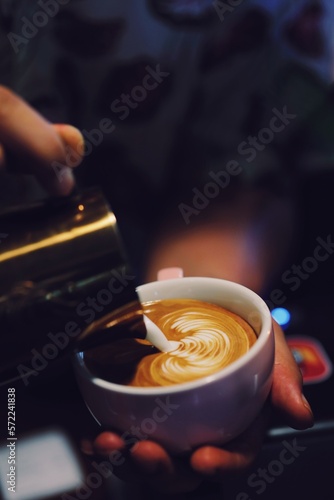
147, 461
36, 146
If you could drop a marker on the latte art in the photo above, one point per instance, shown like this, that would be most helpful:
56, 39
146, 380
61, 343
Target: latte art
210, 339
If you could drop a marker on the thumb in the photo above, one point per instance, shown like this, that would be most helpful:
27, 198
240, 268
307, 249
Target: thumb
287, 389
73, 141
63, 181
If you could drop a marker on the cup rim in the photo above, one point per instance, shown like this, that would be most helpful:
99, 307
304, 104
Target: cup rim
224, 373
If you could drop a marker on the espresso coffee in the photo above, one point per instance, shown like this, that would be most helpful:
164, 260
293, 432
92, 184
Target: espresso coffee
210, 338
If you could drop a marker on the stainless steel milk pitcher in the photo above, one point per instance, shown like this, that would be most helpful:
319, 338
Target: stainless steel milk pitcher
62, 266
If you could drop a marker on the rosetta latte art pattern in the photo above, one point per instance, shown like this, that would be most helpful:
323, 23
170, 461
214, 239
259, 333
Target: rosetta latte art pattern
210, 339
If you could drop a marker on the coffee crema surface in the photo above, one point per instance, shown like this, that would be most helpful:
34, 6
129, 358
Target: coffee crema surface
210, 338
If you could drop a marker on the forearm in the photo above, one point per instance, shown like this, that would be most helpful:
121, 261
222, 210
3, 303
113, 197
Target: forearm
245, 241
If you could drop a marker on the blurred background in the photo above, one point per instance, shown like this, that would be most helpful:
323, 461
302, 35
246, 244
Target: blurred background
166, 93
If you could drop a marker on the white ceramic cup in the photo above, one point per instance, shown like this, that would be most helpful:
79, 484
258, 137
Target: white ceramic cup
210, 410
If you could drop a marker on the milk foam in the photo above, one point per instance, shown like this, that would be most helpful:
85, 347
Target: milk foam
209, 336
